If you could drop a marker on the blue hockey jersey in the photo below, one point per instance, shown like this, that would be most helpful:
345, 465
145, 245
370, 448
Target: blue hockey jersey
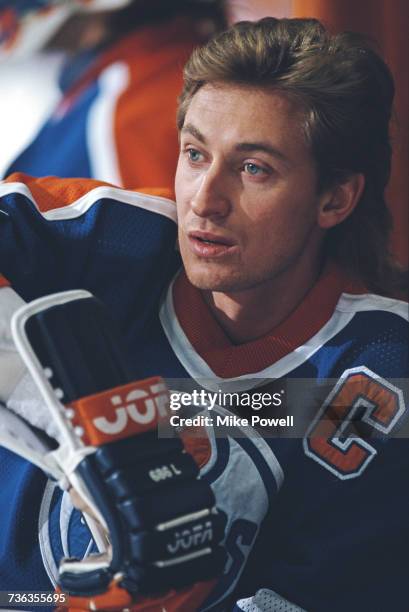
317, 521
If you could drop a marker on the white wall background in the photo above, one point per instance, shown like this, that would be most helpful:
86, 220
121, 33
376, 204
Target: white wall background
242, 10
28, 91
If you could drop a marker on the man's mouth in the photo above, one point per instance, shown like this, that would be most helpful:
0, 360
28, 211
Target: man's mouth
209, 245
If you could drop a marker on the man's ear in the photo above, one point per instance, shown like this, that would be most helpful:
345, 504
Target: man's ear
339, 202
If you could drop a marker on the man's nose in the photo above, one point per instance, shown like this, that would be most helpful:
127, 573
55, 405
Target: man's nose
211, 198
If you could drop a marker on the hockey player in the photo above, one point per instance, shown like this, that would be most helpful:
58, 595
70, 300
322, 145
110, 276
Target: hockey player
283, 232
119, 83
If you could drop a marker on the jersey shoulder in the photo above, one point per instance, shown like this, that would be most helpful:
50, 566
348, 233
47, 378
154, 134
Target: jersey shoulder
367, 330
59, 234
50, 192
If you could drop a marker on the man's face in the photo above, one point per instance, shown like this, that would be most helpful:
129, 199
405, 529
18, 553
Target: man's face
246, 190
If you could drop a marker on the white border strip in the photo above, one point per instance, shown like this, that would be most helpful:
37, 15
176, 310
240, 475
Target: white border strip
260, 444
156, 204
369, 301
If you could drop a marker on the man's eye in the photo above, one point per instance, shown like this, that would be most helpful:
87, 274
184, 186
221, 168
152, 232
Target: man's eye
253, 169
194, 155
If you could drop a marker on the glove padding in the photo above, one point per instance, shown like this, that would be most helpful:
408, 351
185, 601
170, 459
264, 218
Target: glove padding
164, 530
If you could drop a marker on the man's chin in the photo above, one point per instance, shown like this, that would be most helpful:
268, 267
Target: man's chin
214, 282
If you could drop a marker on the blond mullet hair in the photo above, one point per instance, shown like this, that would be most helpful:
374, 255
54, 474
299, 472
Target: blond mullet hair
345, 92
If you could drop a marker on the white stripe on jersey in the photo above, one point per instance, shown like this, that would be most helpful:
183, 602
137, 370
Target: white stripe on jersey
153, 203
100, 132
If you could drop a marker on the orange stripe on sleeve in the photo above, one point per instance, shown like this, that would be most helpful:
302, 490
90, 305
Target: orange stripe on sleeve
52, 192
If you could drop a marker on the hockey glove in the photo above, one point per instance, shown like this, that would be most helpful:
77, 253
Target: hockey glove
163, 528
